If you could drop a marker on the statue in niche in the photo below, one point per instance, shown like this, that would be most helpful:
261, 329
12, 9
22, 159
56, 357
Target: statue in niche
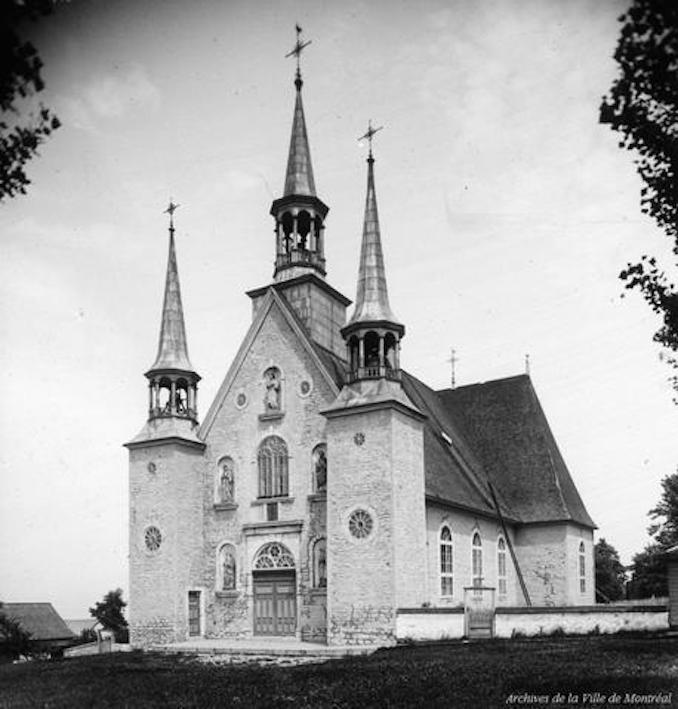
321, 471
226, 481
272, 382
228, 571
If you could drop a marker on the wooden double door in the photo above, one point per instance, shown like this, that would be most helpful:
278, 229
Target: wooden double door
275, 602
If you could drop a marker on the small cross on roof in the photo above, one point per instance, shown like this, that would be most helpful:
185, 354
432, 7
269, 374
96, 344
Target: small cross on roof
370, 134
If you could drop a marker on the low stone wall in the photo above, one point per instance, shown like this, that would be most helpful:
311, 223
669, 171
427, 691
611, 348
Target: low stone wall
579, 619
448, 623
429, 623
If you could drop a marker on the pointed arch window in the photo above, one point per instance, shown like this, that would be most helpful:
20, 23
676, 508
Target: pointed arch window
582, 568
273, 462
226, 571
320, 563
477, 560
501, 566
226, 480
319, 457
446, 562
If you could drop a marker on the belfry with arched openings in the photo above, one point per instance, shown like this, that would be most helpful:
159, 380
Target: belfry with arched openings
326, 490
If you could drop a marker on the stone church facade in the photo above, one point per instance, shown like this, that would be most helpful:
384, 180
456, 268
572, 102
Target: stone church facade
326, 488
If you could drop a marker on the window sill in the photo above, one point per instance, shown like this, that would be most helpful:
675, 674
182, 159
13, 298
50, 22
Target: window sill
317, 496
269, 500
227, 594
218, 506
273, 416
321, 591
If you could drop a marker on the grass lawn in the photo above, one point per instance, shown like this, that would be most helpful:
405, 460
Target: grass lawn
490, 674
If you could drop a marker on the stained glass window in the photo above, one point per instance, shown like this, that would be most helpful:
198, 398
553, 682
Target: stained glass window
360, 524
446, 559
477, 560
274, 556
501, 566
273, 467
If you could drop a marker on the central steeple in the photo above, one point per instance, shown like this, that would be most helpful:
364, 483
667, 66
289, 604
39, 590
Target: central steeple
299, 214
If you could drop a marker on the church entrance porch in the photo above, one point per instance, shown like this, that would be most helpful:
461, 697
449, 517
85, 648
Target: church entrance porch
275, 602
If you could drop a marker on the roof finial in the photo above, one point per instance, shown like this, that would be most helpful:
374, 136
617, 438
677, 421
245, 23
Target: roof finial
369, 135
296, 52
527, 364
453, 361
170, 210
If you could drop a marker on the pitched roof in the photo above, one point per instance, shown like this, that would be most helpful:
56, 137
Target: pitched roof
299, 174
504, 423
172, 347
39, 619
371, 303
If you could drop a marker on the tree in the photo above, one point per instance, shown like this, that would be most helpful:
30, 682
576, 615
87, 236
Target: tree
20, 79
642, 106
14, 640
649, 573
649, 576
665, 530
109, 613
610, 575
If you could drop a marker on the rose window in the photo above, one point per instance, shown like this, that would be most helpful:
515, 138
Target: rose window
360, 524
153, 538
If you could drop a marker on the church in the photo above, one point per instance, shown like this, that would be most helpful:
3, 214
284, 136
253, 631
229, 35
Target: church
326, 489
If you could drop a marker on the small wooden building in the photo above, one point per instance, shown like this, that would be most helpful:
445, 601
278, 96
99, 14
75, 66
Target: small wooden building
49, 632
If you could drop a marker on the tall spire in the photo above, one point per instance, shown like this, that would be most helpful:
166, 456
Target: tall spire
172, 348
299, 214
372, 294
299, 176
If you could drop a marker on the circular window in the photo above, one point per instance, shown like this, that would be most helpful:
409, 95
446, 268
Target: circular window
153, 538
360, 524
241, 400
359, 439
152, 468
305, 387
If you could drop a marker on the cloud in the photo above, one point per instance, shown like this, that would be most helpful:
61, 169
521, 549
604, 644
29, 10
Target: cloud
111, 96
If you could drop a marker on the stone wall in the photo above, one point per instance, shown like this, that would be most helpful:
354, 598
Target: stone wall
441, 624
165, 492
237, 432
463, 525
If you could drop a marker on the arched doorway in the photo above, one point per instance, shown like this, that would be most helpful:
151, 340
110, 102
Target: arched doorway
274, 583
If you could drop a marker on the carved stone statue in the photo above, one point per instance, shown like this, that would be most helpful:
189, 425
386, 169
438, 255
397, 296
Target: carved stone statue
227, 481
272, 382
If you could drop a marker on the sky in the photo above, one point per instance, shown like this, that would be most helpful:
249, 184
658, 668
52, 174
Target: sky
506, 215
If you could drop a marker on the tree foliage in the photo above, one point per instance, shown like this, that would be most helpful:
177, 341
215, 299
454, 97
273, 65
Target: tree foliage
14, 640
649, 576
20, 79
642, 106
109, 613
610, 575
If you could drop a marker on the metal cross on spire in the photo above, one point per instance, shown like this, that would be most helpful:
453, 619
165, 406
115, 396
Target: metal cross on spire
170, 210
298, 49
370, 134
453, 361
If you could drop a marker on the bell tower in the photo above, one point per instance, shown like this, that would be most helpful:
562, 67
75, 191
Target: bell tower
165, 477
299, 214
376, 520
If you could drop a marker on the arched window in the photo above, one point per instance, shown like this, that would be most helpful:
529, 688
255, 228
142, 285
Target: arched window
477, 560
273, 467
274, 556
226, 480
320, 564
501, 566
226, 570
371, 346
319, 457
446, 567
582, 567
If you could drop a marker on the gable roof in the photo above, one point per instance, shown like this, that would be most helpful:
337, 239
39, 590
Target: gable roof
39, 619
506, 426
317, 354
453, 473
